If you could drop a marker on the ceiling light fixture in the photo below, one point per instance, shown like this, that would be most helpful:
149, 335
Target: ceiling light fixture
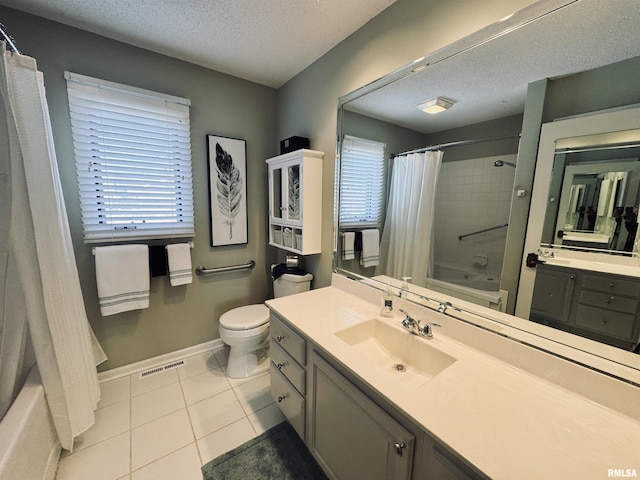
436, 105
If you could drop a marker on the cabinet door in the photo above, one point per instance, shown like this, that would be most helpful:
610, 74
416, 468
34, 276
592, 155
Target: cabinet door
552, 294
351, 436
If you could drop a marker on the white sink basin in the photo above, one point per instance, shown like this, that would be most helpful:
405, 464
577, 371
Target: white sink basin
396, 350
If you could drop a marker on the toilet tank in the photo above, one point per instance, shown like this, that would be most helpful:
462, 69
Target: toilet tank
288, 284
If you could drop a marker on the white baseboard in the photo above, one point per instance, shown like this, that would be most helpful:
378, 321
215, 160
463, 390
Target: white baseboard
125, 370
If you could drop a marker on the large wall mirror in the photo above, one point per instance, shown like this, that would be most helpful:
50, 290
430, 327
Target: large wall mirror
459, 197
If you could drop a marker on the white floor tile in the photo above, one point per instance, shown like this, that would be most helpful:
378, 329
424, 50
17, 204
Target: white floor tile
184, 464
199, 387
225, 439
156, 403
222, 355
110, 421
146, 384
254, 395
108, 460
266, 418
114, 391
160, 437
197, 364
214, 413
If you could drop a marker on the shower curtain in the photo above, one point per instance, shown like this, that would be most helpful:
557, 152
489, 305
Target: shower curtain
406, 247
40, 279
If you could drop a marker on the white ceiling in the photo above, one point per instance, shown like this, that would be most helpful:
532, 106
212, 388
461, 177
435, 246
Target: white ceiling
265, 41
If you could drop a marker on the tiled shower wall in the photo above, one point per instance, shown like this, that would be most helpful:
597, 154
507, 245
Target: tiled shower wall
473, 195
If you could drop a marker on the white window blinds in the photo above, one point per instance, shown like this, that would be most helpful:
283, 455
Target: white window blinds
361, 182
133, 161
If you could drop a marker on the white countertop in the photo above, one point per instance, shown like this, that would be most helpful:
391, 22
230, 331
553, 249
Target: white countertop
510, 424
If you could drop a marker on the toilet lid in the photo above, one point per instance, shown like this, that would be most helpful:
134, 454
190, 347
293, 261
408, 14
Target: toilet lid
245, 318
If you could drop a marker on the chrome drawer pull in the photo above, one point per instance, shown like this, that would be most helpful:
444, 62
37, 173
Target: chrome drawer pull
279, 365
399, 447
281, 398
279, 338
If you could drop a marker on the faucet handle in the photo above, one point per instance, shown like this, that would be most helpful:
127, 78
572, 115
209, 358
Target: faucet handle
427, 331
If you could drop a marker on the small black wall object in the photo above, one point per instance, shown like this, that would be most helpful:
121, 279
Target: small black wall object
292, 144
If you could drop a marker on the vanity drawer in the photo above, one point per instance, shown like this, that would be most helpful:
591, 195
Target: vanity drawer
610, 302
289, 401
606, 322
615, 285
290, 369
291, 342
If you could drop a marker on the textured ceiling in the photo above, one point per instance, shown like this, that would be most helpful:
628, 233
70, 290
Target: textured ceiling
265, 41
490, 81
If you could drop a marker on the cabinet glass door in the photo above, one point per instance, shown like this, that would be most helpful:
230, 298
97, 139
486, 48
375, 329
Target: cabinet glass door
276, 193
293, 180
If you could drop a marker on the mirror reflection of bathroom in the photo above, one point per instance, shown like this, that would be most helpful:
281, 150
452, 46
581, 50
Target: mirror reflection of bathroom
594, 197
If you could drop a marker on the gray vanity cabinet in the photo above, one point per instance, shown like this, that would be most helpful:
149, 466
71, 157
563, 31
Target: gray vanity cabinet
351, 430
288, 373
595, 305
552, 295
351, 436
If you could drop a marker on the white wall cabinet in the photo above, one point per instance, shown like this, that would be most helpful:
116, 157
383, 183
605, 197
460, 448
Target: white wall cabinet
295, 201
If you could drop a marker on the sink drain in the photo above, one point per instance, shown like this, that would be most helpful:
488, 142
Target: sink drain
398, 367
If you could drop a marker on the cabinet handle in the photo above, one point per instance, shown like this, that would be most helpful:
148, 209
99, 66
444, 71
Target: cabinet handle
279, 338
604, 322
609, 300
399, 447
611, 285
281, 398
279, 365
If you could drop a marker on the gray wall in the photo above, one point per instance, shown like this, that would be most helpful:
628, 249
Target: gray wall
178, 317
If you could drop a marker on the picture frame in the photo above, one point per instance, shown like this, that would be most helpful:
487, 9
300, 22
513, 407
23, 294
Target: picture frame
227, 167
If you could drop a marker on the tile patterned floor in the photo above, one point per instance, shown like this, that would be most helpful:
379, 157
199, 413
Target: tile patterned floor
166, 426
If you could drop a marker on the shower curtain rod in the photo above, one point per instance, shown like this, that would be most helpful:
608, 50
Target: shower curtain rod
8, 40
440, 146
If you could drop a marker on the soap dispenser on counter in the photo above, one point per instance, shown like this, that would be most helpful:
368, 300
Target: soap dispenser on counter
387, 302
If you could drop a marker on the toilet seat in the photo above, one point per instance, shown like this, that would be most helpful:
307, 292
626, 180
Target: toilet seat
245, 318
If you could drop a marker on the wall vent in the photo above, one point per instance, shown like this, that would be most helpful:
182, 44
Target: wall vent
161, 368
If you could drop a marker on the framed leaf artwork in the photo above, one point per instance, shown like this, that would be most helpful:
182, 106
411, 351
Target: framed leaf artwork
227, 190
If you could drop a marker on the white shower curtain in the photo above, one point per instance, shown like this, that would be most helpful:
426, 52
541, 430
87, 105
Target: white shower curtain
40, 254
406, 247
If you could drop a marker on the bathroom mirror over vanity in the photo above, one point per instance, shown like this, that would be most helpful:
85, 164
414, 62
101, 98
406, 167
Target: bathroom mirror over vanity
529, 197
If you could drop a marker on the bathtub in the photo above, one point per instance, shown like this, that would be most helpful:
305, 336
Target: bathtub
470, 286
29, 446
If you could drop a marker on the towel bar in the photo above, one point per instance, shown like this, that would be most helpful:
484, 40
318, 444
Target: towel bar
231, 268
93, 249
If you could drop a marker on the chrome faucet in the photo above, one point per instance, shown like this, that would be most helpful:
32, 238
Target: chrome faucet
413, 325
443, 307
410, 323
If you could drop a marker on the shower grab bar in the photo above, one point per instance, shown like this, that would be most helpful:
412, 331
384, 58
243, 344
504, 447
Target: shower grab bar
460, 237
231, 268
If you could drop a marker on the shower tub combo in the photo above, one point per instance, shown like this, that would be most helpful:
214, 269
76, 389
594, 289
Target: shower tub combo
29, 446
470, 286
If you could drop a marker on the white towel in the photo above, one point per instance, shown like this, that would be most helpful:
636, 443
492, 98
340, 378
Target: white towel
122, 274
179, 257
348, 241
370, 255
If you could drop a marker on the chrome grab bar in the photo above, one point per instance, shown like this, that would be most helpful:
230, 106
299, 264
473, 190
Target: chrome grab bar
460, 237
231, 268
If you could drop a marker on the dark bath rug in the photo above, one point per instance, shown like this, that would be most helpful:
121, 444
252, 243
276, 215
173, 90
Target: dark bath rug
277, 454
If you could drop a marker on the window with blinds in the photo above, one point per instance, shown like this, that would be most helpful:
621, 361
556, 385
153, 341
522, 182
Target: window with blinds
362, 177
133, 161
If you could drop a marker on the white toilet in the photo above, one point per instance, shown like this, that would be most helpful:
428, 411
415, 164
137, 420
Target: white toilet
246, 329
